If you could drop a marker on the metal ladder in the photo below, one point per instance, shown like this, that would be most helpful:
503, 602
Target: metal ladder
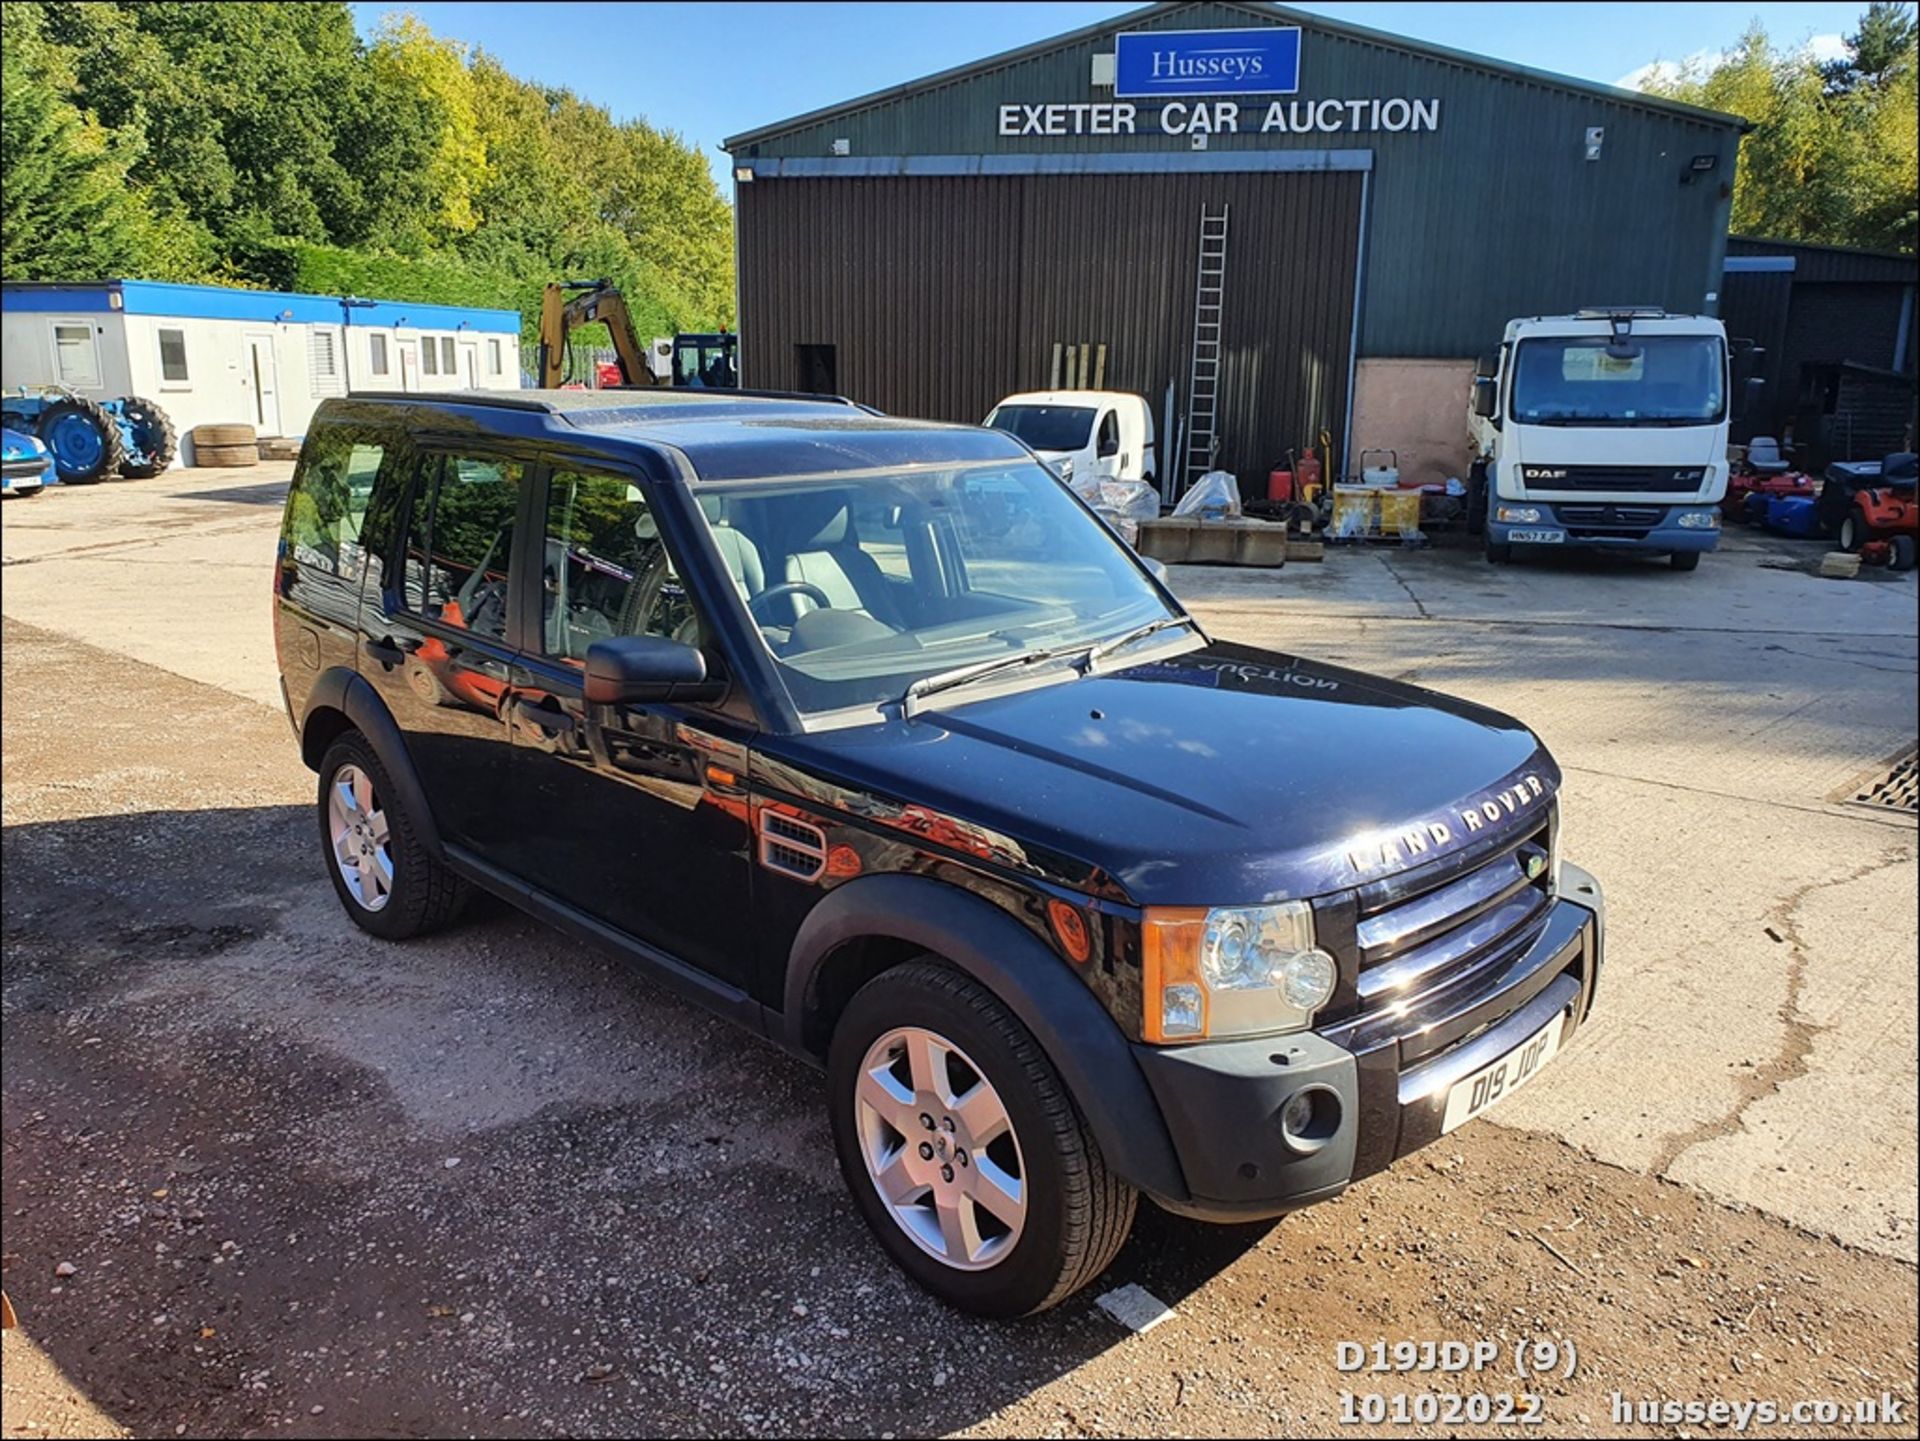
1203, 385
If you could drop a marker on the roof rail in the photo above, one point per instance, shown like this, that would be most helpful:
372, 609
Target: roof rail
548, 401
1606, 312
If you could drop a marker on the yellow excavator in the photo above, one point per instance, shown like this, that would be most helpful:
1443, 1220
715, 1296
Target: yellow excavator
710, 360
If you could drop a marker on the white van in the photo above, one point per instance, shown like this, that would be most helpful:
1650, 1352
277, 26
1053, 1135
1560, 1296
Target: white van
1083, 434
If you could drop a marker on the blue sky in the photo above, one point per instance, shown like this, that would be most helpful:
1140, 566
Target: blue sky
714, 70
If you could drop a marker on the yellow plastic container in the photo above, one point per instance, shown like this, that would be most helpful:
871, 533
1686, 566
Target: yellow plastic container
1399, 511
1356, 512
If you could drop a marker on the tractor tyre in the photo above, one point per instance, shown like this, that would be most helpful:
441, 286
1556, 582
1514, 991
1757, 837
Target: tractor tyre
224, 435
1903, 550
82, 438
153, 436
224, 456
1856, 530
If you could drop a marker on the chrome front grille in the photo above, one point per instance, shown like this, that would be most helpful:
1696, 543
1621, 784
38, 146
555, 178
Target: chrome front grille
1611, 519
1411, 946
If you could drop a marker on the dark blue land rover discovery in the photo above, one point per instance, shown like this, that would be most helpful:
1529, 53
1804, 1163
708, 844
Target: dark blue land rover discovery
867, 733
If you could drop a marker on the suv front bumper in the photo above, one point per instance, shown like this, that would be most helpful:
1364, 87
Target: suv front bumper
1222, 1102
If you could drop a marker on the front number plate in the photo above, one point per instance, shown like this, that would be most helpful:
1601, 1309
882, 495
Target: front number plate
1473, 1094
1537, 537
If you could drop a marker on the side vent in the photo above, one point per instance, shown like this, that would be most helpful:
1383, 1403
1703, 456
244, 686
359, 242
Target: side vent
795, 847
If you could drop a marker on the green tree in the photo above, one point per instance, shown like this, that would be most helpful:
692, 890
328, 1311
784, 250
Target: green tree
267, 144
1832, 155
65, 209
1876, 52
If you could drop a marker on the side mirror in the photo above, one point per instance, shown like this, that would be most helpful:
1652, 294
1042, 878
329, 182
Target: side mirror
1486, 397
1747, 404
1109, 445
632, 668
1155, 568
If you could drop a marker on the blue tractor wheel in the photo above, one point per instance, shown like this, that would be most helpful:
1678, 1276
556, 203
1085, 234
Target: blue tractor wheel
149, 437
82, 438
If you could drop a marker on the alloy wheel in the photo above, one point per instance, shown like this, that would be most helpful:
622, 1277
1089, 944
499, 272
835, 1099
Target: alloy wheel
940, 1149
361, 838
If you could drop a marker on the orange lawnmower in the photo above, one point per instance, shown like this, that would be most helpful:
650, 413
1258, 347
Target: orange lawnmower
1883, 522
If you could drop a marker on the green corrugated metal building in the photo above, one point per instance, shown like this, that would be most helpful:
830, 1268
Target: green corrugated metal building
932, 247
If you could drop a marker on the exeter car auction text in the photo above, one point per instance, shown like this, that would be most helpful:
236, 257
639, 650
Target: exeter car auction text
1222, 117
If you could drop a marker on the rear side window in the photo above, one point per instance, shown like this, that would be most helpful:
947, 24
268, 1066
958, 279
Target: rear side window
322, 557
459, 541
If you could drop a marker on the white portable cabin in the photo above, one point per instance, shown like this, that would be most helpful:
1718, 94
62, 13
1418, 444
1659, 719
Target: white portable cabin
207, 354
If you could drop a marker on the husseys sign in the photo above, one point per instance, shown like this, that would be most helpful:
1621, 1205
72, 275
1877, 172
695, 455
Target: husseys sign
1152, 65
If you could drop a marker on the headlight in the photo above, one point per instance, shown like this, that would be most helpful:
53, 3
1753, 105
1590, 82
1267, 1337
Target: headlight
1700, 519
1517, 514
1232, 971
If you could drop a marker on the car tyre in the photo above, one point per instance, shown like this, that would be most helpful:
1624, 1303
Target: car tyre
931, 1049
389, 882
1684, 560
1856, 530
1477, 500
1499, 552
1903, 553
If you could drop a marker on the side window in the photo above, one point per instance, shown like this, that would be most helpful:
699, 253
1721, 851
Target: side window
459, 539
323, 363
1109, 435
173, 357
605, 570
75, 356
321, 553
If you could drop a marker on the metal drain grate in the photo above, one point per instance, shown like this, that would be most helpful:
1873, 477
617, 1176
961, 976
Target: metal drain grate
1897, 789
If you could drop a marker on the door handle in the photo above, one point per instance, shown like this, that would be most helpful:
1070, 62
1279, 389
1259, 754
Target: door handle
550, 724
386, 652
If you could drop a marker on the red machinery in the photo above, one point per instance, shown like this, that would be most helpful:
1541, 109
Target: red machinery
1744, 483
1885, 516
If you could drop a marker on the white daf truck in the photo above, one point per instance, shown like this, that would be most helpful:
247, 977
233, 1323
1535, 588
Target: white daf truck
1605, 429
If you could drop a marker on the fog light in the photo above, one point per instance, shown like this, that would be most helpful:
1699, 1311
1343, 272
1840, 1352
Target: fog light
1700, 519
1310, 1118
1517, 514
1306, 979
1298, 1115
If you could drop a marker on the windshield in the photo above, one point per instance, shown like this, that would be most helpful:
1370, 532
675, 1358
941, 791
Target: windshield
1669, 380
1045, 427
862, 584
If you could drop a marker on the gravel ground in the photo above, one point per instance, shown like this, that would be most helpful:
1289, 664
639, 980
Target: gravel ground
263, 1174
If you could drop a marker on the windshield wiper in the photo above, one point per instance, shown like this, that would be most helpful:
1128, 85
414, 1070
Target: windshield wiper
929, 685
1152, 627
